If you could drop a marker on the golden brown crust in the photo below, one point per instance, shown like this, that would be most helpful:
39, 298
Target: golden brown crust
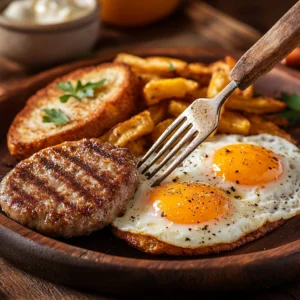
118, 108
152, 245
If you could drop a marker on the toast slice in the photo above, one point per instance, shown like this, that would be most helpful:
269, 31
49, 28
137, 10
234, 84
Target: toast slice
114, 101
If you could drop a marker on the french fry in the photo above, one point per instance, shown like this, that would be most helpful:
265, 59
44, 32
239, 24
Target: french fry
278, 120
169, 85
259, 125
259, 105
138, 147
198, 93
157, 65
247, 93
160, 128
157, 90
219, 65
199, 72
159, 111
145, 78
105, 137
226, 66
166, 66
176, 107
130, 60
130, 130
218, 81
234, 123
230, 61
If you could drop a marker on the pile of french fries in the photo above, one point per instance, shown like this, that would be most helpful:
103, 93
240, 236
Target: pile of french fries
169, 85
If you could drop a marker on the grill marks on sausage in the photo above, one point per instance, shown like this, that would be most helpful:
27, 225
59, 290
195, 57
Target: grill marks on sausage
44, 186
71, 179
104, 178
26, 175
107, 152
119, 160
19, 194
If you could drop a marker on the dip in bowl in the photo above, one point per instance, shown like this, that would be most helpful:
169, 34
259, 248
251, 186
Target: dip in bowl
46, 32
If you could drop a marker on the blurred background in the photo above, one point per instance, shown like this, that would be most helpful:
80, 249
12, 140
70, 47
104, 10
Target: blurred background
234, 25
261, 14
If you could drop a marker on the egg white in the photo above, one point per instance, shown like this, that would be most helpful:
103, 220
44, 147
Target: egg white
250, 207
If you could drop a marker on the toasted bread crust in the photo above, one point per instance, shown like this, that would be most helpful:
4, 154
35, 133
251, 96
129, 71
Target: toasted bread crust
117, 108
152, 245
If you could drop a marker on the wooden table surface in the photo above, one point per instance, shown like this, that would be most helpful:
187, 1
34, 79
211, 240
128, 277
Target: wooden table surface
196, 24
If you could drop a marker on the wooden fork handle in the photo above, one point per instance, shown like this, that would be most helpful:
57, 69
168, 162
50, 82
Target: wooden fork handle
276, 44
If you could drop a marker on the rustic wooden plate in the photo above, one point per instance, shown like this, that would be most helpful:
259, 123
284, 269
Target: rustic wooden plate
102, 262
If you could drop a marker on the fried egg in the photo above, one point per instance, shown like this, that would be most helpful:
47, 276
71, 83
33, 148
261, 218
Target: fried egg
227, 188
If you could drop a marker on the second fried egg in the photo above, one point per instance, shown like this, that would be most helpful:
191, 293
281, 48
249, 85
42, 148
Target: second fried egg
229, 187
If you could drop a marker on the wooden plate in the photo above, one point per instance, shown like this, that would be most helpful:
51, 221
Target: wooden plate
102, 262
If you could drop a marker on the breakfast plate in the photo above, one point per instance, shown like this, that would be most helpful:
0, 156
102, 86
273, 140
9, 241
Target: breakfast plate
102, 262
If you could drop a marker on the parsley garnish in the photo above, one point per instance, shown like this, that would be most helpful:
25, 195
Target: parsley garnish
292, 116
293, 100
79, 92
171, 67
56, 116
292, 113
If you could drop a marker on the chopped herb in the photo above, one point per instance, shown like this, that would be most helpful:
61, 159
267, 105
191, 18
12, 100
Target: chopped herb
56, 116
293, 116
171, 67
293, 101
80, 91
292, 112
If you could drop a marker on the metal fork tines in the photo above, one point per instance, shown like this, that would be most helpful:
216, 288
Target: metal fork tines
185, 134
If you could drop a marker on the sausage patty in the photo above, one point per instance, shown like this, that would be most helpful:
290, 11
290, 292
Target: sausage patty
71, 189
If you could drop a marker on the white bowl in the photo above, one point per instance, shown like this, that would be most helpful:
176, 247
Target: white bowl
40, 45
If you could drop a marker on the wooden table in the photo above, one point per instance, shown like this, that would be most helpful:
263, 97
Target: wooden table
196, 24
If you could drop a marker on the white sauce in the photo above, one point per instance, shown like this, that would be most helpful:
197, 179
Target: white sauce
47, 11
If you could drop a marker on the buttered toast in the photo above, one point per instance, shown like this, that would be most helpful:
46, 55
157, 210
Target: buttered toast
96, 110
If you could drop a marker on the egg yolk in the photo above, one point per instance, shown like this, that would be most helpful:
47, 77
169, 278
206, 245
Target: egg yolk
247, 164
189, 203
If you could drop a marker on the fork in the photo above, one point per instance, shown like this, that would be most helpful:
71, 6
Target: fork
201, 118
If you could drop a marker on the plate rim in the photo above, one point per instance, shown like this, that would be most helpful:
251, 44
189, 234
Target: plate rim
37, 238
290, 252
